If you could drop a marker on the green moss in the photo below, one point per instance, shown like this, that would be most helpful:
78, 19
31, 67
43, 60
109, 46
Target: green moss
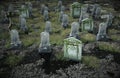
107, 46
87, 37
13, 60
91, 61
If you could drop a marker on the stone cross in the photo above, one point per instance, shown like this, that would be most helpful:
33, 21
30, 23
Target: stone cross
74, 29
65, 20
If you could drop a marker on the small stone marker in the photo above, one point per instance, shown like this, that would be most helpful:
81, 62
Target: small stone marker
45, 14
24, 11
48, 27
65, 20
61, 16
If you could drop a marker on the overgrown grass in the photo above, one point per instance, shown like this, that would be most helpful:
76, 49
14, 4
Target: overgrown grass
110, 47
91, 61
115, 37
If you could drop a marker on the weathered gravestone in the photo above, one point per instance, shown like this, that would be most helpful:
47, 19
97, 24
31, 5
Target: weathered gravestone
24, 11
3, 16
42, 9
83, 15
23, 25
15, 41
29, 6
65, 20
11, 9
76, 10
102, 32
45, 14
62, 8
61, 16
87, 24
109, 20
44, 46
59, 5
74, 30
72, 49
48, 27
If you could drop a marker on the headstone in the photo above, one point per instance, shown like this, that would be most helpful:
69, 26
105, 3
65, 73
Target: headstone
15, 41
48, 27
45, 14
23, 26
76, 9
87, 24
42, 8
61, 16
62, 8
65, 21
3, 16
73, 49
74, 30
24, 11
59, 5
10, 9
44, 46
30, 8
102, 32
109, 20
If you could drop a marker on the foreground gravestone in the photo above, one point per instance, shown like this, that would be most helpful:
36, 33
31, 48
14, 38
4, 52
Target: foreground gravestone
23, 25
102, 32
15, 41
65, 20
87, 24
44, 46
72, 49
76, 10
48, 27
74, 30
24, 11
61, 16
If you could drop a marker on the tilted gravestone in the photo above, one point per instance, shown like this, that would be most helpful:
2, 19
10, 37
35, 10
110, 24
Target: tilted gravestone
44, 46
15, 41
23, 25
102, 32
24, 11
72, 49
65, 20
45, 14
76, 10
61, 16
74, 30
87, 24
48, 27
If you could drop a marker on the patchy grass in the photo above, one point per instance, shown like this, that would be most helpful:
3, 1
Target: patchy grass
87, 37
110, 47
113, 31
115, 37
91, 61
13, 60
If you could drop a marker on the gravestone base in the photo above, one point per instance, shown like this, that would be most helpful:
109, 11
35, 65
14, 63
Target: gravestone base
13, 47
101, 37
46, 49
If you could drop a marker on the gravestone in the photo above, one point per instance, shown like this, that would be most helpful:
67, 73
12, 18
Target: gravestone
87, 24
42, 9
15, 41
29, 6
65, 21
109, 20
72, 49
76, 10
59, 5
74, 30
62, 8
45, 14
102, 32
23, 25
97, 13
44, 46
61, 16
3, 16
48, 27
83, 15
11, 9
24, 11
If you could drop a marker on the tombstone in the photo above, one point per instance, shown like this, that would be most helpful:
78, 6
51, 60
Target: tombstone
61, 16
45, 14
59, 5
72, 49
76, 10
102, 32
23, 26
62, 8
83, 15
42, 9
15, 41
65, 21
74, 30
44, 46
48, 27
30, 8
24, 11
87, 24
109, 20
10, 9
3, 16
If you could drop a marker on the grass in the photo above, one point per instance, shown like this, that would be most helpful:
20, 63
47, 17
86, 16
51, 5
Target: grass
115, 37
91, 61
110, 47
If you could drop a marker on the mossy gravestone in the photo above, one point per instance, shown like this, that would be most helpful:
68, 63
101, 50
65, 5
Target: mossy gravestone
87, 24
24, 11
76, 10
72, 49
44, 46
